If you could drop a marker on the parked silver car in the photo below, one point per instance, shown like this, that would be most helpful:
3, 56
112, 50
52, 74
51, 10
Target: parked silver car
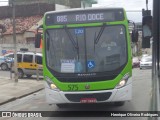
5, 61
146, 62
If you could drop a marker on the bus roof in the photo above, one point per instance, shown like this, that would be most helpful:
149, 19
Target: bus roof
82, 9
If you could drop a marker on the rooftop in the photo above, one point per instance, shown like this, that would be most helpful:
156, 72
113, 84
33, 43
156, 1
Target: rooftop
22, 23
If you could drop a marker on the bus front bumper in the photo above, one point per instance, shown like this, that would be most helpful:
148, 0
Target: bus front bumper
101, 96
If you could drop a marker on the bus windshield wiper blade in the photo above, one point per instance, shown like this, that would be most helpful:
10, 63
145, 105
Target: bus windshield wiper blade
71, 38
100, 33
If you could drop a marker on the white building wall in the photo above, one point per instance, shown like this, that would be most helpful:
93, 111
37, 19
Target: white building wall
60, 7
8, 48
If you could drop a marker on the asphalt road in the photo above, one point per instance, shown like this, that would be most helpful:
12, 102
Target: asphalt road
140, 102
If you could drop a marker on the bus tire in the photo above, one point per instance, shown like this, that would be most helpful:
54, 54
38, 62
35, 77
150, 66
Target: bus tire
4, 66
20, 73
119, 103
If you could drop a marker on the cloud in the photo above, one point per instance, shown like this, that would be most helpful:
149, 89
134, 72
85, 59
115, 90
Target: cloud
128, 5
3, 2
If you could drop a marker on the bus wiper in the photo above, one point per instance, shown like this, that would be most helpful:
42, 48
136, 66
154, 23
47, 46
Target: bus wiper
94, 41
100, 33
71, 38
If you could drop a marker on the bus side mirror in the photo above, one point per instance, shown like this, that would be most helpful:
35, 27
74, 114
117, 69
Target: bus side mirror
146, 31
38, 40
135, 35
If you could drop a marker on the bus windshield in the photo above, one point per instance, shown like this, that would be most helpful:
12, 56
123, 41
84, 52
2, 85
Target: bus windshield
85, 55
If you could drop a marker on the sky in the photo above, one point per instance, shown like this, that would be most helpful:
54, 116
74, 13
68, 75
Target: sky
134, 5
3, 2
129, 5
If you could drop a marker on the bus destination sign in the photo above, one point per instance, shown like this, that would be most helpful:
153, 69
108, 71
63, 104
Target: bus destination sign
83, 17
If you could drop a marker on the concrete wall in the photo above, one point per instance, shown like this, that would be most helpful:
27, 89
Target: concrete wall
60, 7
8, 39
26, 10
6, 42
10, 48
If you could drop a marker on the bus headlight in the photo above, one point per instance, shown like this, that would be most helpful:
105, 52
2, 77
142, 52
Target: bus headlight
123, 82
51, 84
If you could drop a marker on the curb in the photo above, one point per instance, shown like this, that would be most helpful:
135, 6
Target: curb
29, 93
14, 98
7, 101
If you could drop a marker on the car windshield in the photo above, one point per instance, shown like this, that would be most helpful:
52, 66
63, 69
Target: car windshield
147, 59
75, 51
9, 57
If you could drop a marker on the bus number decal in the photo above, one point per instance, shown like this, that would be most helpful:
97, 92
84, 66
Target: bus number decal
62, 18
72, 87
79, 31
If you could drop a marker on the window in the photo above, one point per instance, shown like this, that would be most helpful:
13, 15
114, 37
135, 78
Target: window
80, 51
28, 58
10, 55
19, 57
38, 60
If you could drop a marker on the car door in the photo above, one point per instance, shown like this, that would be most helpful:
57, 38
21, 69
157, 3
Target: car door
28, 64
38, 61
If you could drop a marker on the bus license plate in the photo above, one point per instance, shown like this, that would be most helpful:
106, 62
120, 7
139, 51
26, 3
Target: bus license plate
88, 100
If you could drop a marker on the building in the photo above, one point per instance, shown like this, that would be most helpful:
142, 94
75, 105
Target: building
28, 18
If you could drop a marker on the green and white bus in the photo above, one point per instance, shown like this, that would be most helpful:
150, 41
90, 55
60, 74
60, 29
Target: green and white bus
87, 56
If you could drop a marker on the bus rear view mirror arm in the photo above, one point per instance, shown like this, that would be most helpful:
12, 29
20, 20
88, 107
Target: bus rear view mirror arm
146, 31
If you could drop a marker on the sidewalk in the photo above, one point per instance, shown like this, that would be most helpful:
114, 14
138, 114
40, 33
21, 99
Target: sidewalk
9, 90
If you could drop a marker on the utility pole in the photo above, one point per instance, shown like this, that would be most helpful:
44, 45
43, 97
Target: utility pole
147, 4
15, 43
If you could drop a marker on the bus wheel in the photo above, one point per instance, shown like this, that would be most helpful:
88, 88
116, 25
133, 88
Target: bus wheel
4, 66
119, 103
20, 73
28, 76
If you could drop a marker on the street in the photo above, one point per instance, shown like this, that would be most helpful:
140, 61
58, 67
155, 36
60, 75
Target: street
36, 101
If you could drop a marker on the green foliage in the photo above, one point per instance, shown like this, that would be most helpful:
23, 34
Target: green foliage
3, 29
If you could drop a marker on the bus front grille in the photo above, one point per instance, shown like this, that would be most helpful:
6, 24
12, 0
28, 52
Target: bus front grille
98, 96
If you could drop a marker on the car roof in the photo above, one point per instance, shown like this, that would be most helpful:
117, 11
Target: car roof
8, 54
145, 54
1, 56
148, 57
32, 53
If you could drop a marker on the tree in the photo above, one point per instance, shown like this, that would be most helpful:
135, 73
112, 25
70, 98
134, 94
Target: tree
3, 29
